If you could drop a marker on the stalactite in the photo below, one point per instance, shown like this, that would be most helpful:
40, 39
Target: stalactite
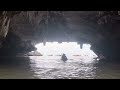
7, 27
81, 45
4, 27
45, 24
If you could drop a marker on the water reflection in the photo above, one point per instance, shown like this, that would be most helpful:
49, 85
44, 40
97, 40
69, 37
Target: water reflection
80, 65
37, 67
49, 66
57, 69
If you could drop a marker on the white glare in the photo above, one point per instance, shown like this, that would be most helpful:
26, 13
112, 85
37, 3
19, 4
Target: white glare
69, 48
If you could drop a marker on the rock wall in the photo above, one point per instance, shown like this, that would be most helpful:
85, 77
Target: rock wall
99, 28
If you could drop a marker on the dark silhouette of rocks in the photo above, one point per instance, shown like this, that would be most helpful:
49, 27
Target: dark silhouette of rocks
98, 28
13, 45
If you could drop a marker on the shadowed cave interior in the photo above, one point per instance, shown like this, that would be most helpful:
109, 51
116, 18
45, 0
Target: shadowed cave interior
20, 31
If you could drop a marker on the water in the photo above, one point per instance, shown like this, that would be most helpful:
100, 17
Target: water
40, 67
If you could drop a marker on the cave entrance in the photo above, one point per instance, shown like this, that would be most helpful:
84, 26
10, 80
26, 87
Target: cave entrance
71, 49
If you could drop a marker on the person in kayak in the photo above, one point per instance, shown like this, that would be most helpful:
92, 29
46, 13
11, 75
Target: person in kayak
64, 58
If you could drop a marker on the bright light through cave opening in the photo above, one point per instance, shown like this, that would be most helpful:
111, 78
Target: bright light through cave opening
71, 49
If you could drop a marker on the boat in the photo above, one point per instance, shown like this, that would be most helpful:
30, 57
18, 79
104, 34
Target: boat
64, 58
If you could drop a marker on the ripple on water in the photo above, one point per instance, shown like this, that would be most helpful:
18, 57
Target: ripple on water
56, 69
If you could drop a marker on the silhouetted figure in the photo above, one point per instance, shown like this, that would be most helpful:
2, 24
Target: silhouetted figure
64, 58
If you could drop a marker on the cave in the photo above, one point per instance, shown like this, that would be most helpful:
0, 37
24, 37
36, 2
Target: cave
20, 31
99, 28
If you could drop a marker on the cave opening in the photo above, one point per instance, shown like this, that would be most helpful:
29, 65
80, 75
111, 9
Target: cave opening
41, 37
71, 49
49, 58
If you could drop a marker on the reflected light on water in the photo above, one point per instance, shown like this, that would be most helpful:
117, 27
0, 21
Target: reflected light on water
80, 62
